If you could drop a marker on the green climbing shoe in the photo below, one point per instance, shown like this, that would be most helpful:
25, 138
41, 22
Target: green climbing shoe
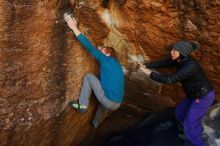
77, 106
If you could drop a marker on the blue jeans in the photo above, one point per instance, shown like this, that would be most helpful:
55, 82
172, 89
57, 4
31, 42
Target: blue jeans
92, 83
190, 113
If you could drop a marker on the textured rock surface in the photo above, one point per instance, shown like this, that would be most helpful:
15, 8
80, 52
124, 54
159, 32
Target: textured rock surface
211, 126
42, 64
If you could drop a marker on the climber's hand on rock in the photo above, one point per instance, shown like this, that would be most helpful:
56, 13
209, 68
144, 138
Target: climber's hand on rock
70, 21
144, 69
72, 24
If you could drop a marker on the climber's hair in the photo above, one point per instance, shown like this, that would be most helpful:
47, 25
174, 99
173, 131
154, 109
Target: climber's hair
109, 50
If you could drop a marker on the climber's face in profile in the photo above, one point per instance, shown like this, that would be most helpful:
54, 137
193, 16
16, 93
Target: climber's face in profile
175, 54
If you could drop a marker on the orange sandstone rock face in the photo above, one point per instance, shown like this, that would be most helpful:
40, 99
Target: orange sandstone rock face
41, 70
42, 64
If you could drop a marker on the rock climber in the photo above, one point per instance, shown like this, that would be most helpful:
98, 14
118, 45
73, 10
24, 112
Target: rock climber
109, 88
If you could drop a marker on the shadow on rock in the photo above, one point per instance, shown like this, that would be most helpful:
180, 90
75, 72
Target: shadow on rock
158, 129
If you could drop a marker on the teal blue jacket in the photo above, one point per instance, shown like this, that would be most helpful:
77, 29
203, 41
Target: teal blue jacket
111, 73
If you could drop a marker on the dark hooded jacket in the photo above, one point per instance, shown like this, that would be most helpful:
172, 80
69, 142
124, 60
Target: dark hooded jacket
188, 72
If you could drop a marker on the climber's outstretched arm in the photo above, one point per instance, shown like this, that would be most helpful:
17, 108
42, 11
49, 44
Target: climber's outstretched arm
83, 40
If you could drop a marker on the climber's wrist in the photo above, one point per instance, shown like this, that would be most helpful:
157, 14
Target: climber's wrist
76, 31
